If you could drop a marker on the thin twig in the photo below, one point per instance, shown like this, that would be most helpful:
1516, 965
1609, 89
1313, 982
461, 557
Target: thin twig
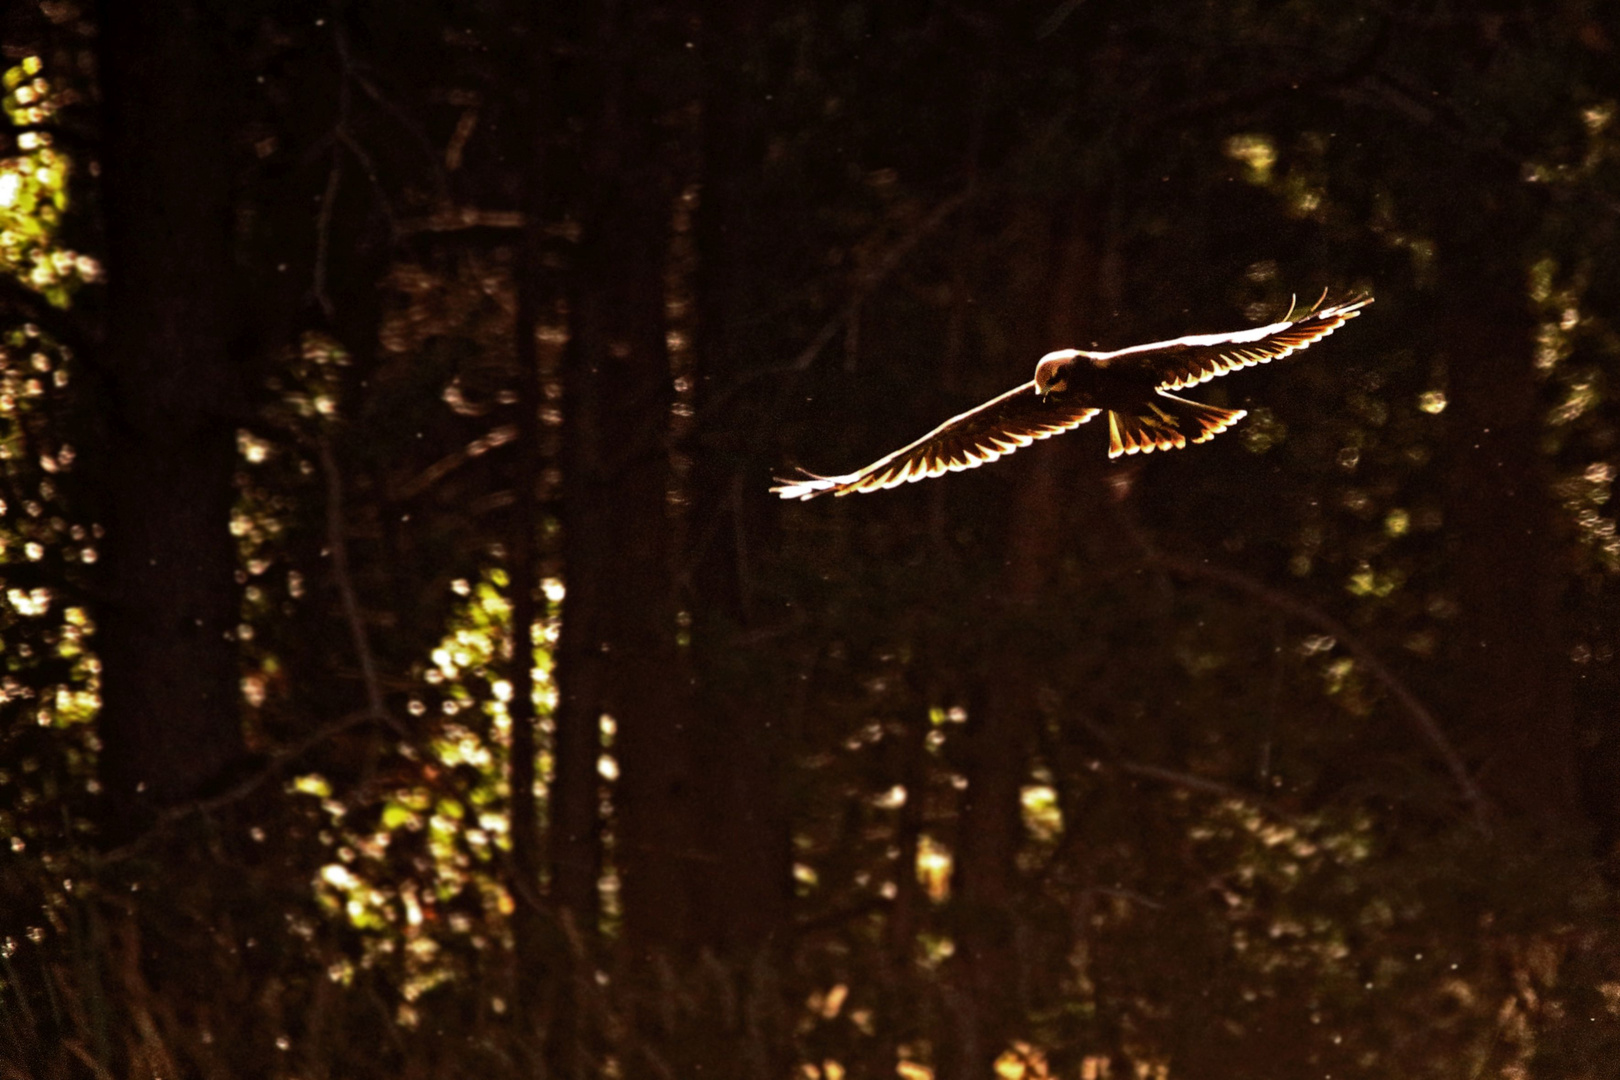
1202, 784
345, 114
829, 920
431, 475
865, 285
1421, 718
338, 547
877, 275
355, 70
323, 230
78, 1051
1127, 894
1173, 777
361, 155
278, 761
461, 218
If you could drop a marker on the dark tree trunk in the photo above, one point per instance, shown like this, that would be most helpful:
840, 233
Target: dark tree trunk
170, 723
745, 896
707, 870
575, 849
528, 922
585, 506
1003, 717
618, 653
1510, 693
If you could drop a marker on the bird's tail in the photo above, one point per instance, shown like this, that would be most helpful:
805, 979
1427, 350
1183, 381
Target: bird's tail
1167, 422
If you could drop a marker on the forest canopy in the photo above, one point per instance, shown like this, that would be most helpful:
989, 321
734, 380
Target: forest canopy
407, 671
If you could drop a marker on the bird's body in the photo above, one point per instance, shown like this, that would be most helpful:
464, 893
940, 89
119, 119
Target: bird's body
1072, 386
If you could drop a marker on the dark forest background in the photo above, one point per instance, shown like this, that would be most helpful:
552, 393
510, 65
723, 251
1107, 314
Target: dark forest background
408, 674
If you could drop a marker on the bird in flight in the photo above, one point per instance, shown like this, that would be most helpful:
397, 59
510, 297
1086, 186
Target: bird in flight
1071, 386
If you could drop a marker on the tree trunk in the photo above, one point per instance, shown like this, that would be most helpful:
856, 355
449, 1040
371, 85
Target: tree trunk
170, 724
618, 650
708, 881
746, 901
1003, 717
1509, 690
528, 922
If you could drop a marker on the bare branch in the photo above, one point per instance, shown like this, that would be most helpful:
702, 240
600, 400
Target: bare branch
354, 69
878, 274
361, 155
1127, 894
337, 545
1175, 778
431, 475
864, 287
1421, 718
460, 218
1203, 785
323, 231
276, 763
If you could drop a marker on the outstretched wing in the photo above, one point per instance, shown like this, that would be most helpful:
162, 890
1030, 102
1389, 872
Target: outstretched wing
1188, 361
999, 426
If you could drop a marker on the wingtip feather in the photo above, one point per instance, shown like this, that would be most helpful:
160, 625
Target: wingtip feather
807, 485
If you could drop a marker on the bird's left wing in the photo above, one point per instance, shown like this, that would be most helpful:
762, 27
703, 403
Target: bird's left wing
999, 426
1188, 361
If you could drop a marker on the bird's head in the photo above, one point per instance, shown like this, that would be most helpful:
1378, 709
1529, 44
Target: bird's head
1052, 373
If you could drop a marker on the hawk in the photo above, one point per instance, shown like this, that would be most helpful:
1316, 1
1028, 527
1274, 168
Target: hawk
1071, 386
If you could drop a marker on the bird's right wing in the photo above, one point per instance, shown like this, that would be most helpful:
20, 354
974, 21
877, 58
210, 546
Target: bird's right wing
999, 426
1188, 361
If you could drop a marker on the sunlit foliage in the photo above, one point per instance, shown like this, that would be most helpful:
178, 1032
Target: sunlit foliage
50, 681
420, 868
34, 189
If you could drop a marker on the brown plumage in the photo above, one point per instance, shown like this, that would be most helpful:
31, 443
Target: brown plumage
1073, 385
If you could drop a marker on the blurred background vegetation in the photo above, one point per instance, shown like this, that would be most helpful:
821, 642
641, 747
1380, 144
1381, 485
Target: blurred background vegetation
407, 674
